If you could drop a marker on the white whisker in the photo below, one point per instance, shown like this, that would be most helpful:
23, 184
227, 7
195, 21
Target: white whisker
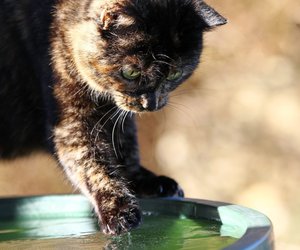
113, 133
124, 118
185, 111
95, 126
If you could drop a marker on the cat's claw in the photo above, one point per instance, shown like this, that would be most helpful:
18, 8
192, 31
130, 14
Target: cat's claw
179, 192
122, 223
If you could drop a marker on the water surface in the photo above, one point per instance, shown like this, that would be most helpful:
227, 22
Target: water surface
157, 232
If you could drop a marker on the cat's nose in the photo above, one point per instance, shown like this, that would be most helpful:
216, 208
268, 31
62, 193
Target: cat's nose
149, 101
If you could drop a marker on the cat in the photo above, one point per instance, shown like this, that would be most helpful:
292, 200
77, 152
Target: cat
73, 74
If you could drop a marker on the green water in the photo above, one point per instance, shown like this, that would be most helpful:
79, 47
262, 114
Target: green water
157, 232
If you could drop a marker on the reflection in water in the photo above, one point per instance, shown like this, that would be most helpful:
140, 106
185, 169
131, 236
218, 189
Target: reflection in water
157, 232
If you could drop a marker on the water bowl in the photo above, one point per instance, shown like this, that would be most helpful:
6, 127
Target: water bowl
67, 222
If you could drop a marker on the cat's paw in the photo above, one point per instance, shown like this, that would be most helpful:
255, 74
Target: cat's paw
158, 186
119, 215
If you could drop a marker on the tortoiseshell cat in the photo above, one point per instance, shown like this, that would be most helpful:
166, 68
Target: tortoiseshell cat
74, 73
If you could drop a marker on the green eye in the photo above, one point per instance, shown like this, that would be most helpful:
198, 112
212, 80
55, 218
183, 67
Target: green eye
174, 75
130, 73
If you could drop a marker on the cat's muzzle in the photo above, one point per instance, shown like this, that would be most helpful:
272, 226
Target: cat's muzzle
147, 103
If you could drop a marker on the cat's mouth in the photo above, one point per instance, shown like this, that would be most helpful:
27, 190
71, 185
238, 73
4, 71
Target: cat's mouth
144, 103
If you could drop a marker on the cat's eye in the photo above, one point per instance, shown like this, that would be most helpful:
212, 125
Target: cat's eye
174, 75
130, 73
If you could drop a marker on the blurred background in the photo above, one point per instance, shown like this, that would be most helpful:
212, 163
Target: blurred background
231, 133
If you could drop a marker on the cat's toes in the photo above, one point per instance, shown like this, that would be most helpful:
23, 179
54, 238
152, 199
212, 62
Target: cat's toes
159, 186
123, 222
167, 187
120, 219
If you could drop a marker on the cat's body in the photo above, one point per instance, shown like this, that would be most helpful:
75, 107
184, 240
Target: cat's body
72, 75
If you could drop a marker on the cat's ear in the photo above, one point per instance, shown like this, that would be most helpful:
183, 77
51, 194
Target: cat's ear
113, 16
107, 18
209, 15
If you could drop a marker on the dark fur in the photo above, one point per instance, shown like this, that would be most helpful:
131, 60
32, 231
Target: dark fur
61, 88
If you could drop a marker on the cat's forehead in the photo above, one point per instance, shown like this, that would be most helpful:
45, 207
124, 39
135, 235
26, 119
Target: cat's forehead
147, 15
160, 14
160, 25
163, 13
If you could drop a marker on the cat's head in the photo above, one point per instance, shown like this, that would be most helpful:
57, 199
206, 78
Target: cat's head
138, 51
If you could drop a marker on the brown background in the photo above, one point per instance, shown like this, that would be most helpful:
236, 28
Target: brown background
231, 133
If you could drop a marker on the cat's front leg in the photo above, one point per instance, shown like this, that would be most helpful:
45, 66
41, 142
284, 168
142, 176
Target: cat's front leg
145, 183
91, 165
